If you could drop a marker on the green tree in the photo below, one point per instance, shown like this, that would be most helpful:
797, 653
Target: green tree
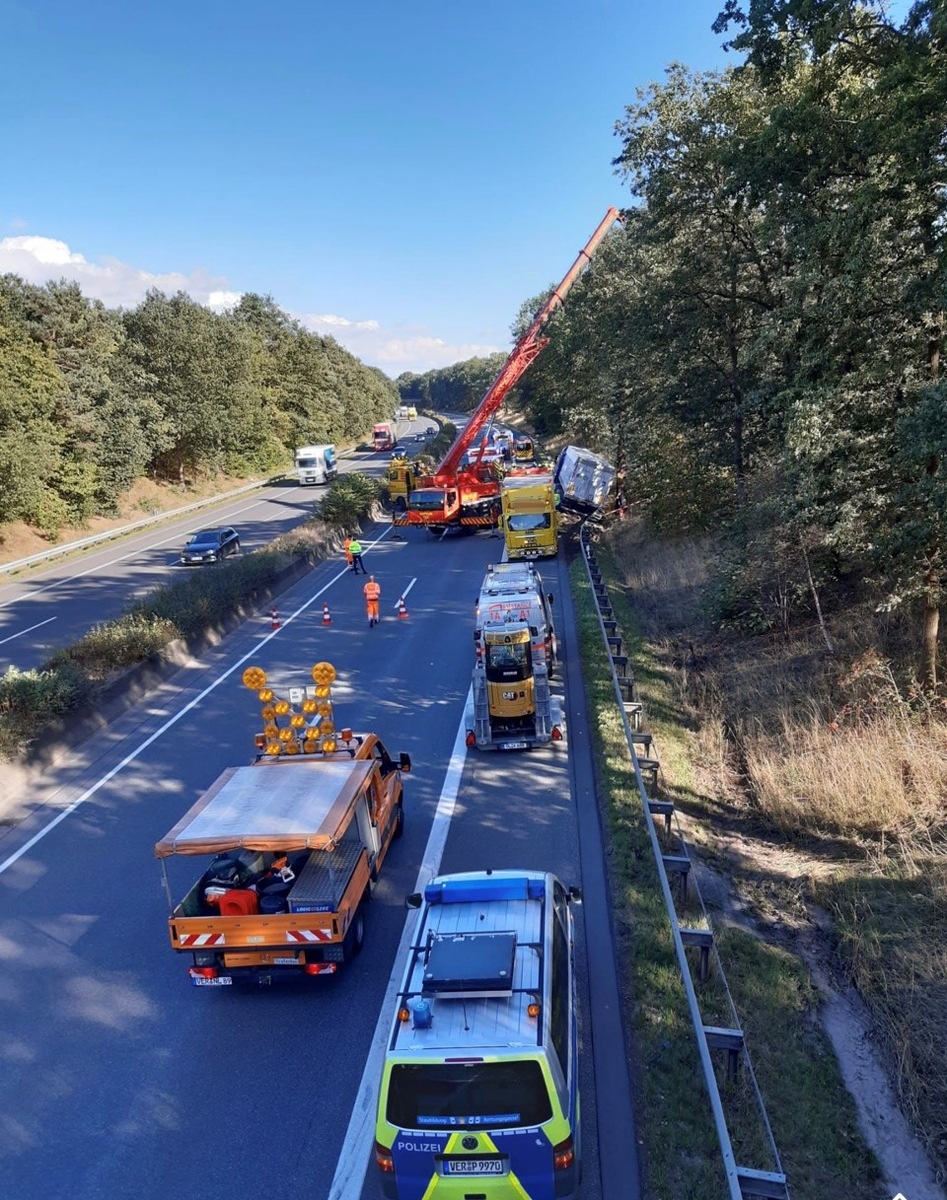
30, 440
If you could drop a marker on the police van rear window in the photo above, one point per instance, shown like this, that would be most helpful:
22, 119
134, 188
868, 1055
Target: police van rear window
495, 1095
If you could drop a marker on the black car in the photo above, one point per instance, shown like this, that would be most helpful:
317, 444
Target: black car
431, 429
210, 545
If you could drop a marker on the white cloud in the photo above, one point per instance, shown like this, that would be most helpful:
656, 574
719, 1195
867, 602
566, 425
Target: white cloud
40, 259
329, 322
394, 349
223, 301
44, 250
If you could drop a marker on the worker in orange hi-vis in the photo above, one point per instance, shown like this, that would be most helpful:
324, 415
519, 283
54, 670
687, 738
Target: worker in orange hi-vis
372, 592
347, 549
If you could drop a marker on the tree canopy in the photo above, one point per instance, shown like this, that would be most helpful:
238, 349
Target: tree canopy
92, 399
761, 343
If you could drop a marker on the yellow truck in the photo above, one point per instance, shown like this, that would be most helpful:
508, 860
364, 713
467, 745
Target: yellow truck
529, 514
401, 480
511, 703
291, 845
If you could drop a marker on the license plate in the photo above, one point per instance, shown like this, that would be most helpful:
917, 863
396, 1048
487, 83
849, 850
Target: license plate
474, 1166
286, 962
515, 746
217, 981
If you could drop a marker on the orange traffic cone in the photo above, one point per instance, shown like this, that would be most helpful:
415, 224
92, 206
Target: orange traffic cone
402, 610
326, 616
274, 619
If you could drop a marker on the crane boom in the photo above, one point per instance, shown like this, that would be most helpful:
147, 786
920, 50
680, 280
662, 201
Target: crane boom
521, 356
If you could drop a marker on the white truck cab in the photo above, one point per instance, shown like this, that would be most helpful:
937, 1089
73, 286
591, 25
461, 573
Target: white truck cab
315, 464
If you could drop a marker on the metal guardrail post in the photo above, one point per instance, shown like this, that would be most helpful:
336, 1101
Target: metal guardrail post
743, 1183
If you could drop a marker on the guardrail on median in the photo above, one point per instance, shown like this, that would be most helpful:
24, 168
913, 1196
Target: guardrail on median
673, 861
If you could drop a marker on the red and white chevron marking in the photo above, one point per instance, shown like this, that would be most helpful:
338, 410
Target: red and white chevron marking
203, 939
308, 935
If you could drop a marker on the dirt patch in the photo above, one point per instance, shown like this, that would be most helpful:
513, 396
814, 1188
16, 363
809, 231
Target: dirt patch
740, 890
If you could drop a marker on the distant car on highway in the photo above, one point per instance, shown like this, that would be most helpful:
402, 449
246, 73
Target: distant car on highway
210, 545
419, 437
431, 429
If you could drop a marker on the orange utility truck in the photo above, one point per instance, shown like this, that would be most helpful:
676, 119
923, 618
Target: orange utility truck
292, 845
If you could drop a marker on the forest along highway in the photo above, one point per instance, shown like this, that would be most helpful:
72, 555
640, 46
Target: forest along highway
44, 607
121, 1080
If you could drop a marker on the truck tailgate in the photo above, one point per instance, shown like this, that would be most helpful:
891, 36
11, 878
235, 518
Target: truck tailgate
321, 887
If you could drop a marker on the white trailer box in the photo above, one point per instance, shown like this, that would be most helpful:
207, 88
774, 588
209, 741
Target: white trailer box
583, 480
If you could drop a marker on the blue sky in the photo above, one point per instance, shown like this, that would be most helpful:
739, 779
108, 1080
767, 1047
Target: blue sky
402, 175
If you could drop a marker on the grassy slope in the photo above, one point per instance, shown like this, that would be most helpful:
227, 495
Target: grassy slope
812, 1115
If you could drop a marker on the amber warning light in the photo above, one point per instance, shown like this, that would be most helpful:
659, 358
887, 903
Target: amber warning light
303, 723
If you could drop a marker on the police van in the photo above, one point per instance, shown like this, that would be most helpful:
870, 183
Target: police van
479, 1093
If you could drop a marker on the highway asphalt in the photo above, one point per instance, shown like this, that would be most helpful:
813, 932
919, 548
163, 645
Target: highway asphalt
120, 1079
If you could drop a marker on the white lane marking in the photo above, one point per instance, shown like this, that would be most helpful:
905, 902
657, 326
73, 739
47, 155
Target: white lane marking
130, 758
14, 636
405, 592
349, 1178
165, 542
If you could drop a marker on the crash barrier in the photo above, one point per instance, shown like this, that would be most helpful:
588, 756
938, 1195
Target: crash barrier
673, 863
110, 535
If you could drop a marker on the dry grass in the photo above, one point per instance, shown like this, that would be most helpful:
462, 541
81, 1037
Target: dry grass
834, 759
145, 499
880, 778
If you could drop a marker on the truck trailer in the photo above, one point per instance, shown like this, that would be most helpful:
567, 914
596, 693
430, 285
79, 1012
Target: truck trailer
583, 481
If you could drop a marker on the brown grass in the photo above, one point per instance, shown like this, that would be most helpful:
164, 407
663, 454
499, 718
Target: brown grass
880, 778
811, 758
146, 498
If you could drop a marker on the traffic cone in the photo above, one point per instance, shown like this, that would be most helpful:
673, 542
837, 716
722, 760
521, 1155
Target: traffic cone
326, 616
274, 619
402, 610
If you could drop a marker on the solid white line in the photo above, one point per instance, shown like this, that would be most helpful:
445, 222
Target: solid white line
14, 636
130, 758
349, 1178
405, 592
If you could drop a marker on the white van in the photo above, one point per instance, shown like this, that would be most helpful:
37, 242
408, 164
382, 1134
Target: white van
513, 591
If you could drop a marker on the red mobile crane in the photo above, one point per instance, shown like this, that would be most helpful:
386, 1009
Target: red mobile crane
456, 495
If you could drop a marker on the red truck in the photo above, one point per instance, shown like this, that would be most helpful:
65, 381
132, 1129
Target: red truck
383, 436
